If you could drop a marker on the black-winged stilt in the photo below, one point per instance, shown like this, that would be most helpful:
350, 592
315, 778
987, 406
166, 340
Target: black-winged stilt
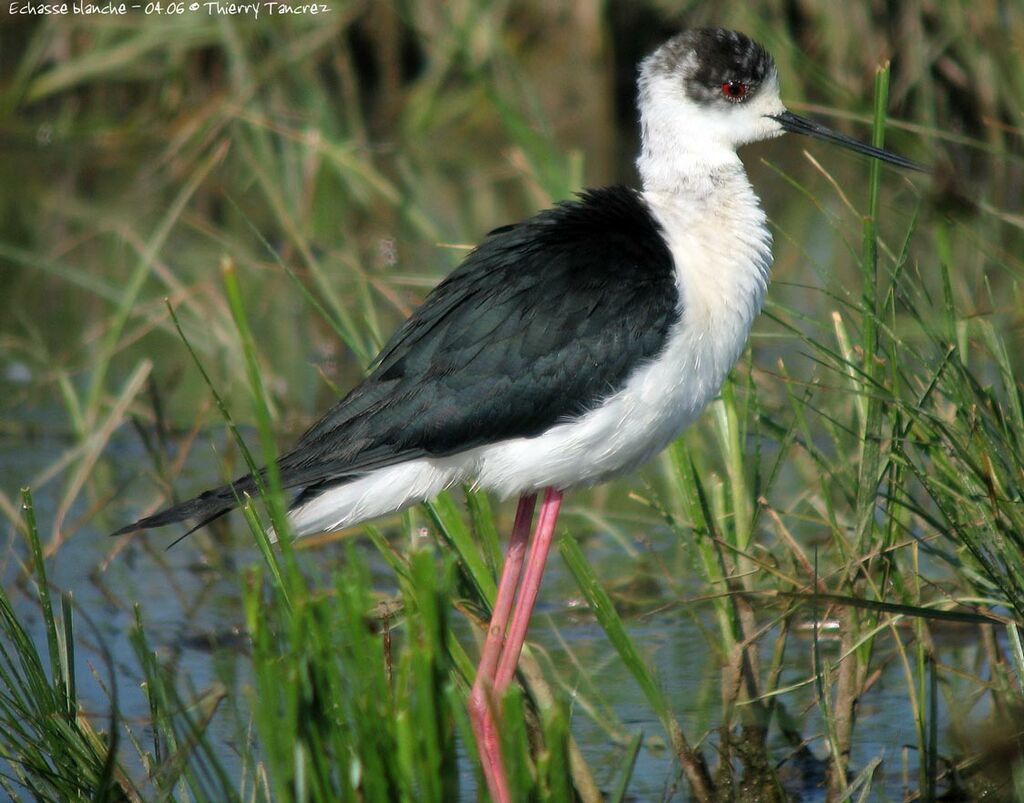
566, 349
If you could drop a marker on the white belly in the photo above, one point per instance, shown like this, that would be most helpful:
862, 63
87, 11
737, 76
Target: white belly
657, 403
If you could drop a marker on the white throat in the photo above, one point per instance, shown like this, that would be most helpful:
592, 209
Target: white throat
680, 161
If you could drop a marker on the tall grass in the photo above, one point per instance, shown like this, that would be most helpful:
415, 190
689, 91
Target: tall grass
855, 491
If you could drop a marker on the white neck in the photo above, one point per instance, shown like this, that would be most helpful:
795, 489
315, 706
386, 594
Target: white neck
686, 163
714, 226
686, 145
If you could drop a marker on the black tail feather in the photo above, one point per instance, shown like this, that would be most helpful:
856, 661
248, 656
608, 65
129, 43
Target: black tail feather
202, 523
206, 507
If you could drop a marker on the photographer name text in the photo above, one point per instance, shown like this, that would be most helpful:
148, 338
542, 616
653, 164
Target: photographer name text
173, 8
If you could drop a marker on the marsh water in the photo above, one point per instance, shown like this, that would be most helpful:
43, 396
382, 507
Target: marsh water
190, 603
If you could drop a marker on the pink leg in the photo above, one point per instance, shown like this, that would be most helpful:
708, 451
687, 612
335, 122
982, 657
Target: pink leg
479, 699
489, 744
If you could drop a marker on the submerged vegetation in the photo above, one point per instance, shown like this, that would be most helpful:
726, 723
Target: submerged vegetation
209, 225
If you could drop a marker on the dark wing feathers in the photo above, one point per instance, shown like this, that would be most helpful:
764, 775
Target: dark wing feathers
539, 324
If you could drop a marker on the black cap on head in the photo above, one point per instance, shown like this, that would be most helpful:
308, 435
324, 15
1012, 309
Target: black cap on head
711, 57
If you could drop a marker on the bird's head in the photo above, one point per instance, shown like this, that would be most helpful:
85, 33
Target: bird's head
708, 91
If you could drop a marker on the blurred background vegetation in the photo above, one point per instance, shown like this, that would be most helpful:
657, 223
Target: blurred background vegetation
861, 476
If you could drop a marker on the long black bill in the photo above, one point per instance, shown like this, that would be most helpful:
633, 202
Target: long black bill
796, 124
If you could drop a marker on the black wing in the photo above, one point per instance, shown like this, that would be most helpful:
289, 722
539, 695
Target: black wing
537, 326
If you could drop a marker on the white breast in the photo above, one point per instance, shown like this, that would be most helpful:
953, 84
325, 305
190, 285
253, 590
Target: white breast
722, 252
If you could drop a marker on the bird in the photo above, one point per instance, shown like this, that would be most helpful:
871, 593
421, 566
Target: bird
564, 350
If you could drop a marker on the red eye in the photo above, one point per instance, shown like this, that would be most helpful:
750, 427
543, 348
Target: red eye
734, 90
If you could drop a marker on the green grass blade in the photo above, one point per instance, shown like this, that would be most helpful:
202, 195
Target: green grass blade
867, 485
448, 519
274, 497
604, 609
39, 566
618, 794
599, 601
